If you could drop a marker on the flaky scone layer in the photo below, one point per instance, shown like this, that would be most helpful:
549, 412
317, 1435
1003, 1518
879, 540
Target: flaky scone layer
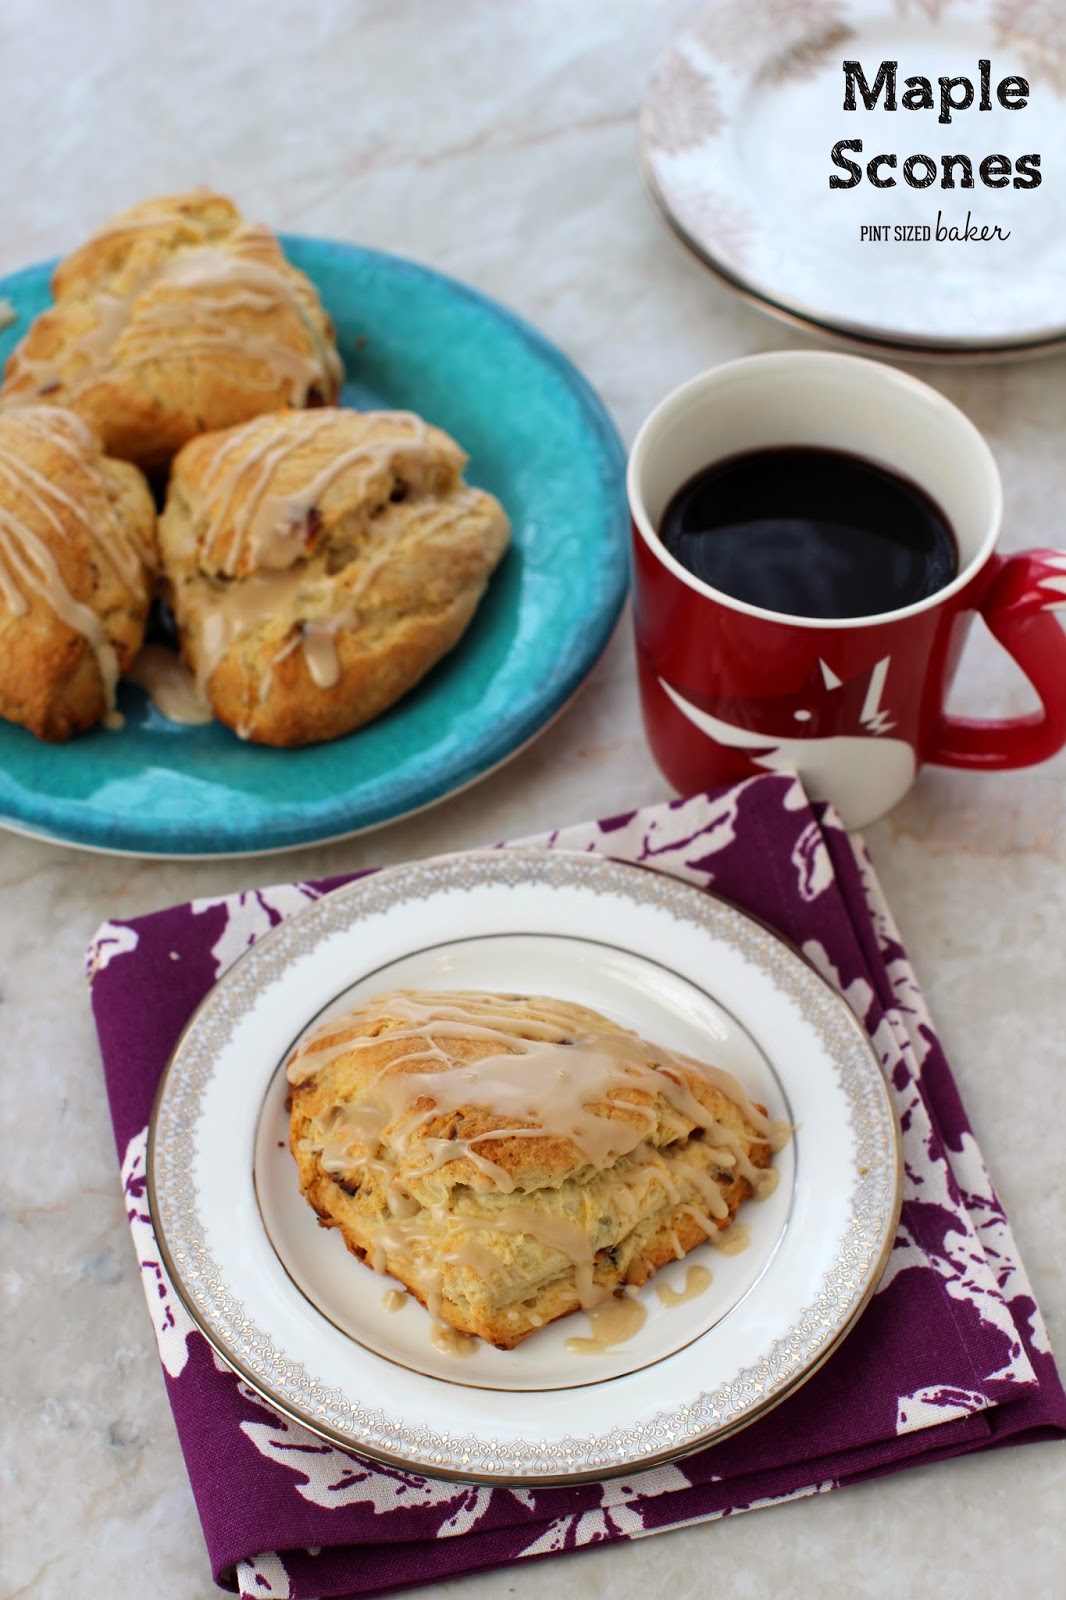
175, 318
513, 1158
319, 563
77, 558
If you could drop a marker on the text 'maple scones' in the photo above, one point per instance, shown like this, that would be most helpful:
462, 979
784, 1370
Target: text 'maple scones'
513, 1158
77, 559
319, 563
176, 318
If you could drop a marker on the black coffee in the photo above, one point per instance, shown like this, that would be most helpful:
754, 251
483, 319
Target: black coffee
810, 533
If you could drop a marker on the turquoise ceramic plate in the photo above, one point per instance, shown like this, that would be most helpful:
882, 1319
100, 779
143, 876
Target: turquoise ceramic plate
538, 437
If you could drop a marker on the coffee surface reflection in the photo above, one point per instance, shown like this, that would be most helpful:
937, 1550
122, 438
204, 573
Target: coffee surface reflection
809, 532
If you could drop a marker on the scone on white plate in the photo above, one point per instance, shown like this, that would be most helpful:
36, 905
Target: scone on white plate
513, 1158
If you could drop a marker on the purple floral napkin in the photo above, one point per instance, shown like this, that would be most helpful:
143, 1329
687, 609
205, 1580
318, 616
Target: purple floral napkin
951, 1355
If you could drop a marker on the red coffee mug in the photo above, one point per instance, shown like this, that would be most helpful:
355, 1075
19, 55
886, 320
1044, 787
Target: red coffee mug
852, 705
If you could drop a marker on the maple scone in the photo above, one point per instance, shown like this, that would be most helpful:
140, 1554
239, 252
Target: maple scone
513, 1158
77, 558
319, 563
175, 318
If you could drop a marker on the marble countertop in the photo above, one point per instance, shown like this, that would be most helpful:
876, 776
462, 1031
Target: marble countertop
496, 143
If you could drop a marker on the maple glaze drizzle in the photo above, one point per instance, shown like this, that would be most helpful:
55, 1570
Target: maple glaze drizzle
450, 1342
555, 1075
258, 535
204, 276
734, 1240
612, 1322
697, 1281
267, 532
28, 567
170, 686
540, 1077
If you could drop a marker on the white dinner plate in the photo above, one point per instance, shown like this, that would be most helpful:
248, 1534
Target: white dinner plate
737, 133
308, 1326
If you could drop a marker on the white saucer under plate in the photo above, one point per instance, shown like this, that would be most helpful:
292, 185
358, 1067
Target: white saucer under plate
306, 1324
736, 137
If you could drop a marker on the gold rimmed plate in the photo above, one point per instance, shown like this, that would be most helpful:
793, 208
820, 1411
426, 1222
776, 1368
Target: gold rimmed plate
312, 1330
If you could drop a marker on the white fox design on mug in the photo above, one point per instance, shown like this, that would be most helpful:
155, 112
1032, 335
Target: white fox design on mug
851, 766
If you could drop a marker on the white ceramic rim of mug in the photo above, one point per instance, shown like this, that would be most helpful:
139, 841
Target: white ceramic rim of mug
879, 372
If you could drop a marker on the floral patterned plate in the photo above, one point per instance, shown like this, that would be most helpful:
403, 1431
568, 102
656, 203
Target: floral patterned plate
737, 136
314, 1331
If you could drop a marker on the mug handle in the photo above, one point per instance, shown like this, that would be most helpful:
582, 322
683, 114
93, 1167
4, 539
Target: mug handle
1018, 606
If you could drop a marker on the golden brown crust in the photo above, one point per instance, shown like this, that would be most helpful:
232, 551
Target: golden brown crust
499, 1259
471, 1306
176, 318
77, 555
306, 547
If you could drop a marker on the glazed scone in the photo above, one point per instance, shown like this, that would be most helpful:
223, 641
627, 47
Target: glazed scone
77, 558
319, 563
513, 1158
176, 318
